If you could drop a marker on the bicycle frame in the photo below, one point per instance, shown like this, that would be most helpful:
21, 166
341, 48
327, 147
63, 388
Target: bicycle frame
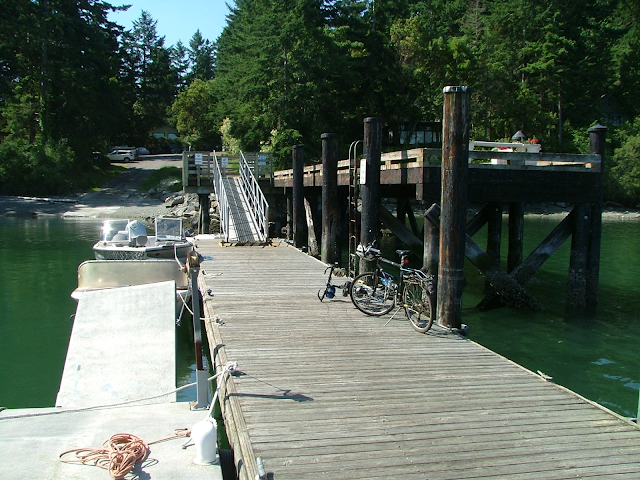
407, 274
376, 292
330, 288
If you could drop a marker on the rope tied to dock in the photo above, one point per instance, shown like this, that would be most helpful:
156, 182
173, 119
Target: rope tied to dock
119, 454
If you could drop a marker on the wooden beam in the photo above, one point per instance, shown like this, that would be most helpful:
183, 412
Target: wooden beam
527, 269
399, 230
511, 293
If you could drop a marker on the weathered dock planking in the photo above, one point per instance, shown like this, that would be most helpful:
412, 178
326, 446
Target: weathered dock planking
324, 391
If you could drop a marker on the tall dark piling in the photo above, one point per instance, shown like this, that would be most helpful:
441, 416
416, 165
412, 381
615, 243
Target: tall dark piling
453, 201
299, 215
370, 181
516, 235
205, 204
494, 233
597, 137
577, 279
431, 245
330, 252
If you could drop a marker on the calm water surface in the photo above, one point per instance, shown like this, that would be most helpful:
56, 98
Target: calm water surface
594, 354
39, 260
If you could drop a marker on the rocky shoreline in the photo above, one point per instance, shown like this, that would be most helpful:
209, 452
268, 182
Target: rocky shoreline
152, 204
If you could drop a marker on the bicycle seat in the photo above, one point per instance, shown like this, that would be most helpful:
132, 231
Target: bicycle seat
403, 253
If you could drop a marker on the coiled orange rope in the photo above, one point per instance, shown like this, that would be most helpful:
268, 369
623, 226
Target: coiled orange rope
118, 454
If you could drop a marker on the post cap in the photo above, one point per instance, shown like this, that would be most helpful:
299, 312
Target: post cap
329, 135
455, 89
597, 128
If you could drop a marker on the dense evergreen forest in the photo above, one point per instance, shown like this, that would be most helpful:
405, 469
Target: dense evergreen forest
282, 72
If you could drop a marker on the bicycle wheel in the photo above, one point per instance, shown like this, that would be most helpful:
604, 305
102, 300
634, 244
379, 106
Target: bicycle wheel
418, 306
371, 296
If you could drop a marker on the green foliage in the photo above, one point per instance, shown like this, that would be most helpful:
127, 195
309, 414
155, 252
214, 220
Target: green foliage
43, 169
196, 118
622, 179
279, 143
229, 142
285, 71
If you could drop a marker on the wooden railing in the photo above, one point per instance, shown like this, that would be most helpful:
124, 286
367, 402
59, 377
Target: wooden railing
419, 157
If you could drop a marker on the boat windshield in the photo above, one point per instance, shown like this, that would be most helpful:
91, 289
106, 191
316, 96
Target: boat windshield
114, 231
169, 229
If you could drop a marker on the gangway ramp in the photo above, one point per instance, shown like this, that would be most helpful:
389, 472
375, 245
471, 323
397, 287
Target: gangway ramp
242, 226
323, 391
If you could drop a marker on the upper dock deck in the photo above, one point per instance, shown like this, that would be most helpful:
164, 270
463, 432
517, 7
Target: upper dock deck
324, 391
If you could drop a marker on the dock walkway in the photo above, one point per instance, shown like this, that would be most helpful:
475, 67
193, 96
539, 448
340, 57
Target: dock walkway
322, 391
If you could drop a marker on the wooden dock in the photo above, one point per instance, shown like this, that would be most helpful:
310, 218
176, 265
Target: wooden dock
323, 391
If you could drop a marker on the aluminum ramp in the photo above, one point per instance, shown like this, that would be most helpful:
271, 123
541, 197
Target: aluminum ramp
242, 226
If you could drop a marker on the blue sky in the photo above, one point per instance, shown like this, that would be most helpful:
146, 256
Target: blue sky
177, 19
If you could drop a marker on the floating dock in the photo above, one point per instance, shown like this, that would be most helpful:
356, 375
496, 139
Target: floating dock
122, 348
323, 391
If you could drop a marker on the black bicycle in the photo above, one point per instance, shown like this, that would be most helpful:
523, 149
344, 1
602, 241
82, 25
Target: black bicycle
377, 292
330, 288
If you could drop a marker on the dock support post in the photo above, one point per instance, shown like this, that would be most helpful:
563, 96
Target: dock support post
202, 385
205, 205
494, 233
597, 139
431, 245
577, 280
453, 201
370, 189
299, 214
289, 214
330, 199
516, 235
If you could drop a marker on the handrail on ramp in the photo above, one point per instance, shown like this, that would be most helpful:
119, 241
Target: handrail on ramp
221, 196
258, 208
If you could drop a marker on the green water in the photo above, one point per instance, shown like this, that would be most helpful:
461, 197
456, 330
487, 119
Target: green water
39, 260
595, 354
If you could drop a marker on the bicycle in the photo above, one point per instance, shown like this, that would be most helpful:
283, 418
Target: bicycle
330, 288
376, 292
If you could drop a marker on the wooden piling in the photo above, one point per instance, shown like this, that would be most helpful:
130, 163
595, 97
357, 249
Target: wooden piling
597, 137
494, 233
299, 214
370, 183
289, 215
453, 201
577, 279
516, 235
205, 205
330, 252
431, 245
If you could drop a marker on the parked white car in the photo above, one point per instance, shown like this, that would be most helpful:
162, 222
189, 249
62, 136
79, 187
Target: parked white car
123, 154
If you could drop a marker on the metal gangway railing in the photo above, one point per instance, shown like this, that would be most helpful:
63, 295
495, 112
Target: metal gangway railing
258, 206
254, 201
221, 197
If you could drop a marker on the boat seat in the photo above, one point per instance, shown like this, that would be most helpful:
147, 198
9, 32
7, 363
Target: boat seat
120, 237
